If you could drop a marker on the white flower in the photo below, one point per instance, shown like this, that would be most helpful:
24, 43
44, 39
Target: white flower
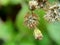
31, 20
53, 14
33, 4
37, 34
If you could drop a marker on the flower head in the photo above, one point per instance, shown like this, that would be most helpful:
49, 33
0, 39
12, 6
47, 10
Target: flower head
53, 14
31, 20
33, 4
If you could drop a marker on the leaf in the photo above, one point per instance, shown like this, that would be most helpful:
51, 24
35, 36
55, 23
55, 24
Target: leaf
4, 2
54, 31
6, 30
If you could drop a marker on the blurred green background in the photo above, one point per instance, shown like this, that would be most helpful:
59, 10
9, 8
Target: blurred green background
14, 32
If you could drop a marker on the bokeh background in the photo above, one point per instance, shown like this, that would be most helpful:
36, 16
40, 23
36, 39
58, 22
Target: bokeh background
14, 32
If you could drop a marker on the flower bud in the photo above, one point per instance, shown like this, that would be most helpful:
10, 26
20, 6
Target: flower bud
33, 4
37, 33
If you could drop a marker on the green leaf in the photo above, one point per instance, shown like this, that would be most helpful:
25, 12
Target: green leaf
54, 31
4, 2
6, 30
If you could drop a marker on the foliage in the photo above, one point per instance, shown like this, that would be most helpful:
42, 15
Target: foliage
16, 33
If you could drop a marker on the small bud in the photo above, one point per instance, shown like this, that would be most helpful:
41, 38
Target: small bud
33, 4
37, 33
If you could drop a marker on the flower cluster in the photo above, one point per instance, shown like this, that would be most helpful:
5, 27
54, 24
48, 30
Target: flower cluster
31, 20
35, 4
53, 14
